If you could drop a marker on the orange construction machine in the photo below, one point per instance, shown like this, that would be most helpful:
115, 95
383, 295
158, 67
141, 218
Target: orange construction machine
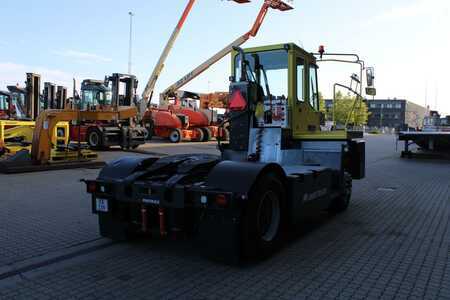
193, 123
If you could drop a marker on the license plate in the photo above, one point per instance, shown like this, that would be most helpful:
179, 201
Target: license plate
101, 205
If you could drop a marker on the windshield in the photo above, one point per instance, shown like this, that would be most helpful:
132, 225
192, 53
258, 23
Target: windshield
91, 98
272, 65
18, 104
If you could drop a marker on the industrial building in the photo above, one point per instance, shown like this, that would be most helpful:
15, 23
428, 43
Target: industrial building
392, 113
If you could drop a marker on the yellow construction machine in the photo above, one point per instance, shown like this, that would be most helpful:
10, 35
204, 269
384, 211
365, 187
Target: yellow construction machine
50, 149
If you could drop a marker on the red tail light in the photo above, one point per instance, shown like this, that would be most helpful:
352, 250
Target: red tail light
92, 187
221, 200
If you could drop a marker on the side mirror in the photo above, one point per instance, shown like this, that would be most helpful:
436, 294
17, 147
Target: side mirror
370, 73
371, 91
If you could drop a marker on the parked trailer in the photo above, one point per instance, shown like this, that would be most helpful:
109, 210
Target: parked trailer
434, 138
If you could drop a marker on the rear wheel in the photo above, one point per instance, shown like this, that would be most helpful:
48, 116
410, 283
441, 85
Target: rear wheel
206, 134
342, 202
225, 134
199, 135
94, 138
263, 218
149, 131
175, 136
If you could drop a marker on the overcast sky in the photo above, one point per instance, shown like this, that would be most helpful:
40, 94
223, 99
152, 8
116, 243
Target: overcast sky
407, 41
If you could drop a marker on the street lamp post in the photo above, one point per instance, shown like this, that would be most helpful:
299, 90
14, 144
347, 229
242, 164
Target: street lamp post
131, 14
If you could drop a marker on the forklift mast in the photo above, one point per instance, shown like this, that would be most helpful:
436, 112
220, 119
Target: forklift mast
32, 97
49, 95
130, 84
61, 97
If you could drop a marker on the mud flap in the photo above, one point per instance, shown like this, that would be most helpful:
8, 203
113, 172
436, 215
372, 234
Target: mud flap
218, 237
112, 228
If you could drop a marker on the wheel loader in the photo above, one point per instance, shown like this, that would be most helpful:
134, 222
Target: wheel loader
277, 167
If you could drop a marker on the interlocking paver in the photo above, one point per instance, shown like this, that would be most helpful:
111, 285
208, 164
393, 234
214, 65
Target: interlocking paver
388, 245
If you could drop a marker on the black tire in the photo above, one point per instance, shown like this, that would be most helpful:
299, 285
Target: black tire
149, 134
206, 134
263, 218
201, 135
175, 136
94, 138
225, 135
342, 202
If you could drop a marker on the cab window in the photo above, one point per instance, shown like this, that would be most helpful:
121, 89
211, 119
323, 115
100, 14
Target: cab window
87, 99
300, 79
272, 65
3, 103
313, 92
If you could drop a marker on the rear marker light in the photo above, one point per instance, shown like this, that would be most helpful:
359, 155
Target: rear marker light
221, 200
91, 187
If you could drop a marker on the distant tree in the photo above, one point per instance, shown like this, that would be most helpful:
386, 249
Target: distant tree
344, 110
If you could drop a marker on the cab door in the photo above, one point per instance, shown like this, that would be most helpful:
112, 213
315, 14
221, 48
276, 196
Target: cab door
305, 106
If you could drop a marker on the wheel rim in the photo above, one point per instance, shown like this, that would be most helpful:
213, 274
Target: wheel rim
93, 139
268, 216
174, 136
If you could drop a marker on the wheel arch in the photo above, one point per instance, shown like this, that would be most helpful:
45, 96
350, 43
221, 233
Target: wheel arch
240, 177
124, 167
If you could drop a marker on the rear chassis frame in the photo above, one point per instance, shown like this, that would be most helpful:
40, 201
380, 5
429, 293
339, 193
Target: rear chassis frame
203, 197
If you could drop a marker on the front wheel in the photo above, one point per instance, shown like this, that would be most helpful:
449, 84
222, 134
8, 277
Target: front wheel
175, 136
94, 138
263, 218
149, 132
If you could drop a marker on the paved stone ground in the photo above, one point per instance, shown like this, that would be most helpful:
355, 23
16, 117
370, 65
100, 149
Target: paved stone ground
45, 212
393, 242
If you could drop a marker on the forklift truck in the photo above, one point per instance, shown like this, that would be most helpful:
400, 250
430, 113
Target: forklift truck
23, 106
105, 96
277, 167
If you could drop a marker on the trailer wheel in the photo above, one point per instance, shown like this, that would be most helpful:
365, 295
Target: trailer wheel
263, 218
175, 136
342, 202
94, 138
206, 134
